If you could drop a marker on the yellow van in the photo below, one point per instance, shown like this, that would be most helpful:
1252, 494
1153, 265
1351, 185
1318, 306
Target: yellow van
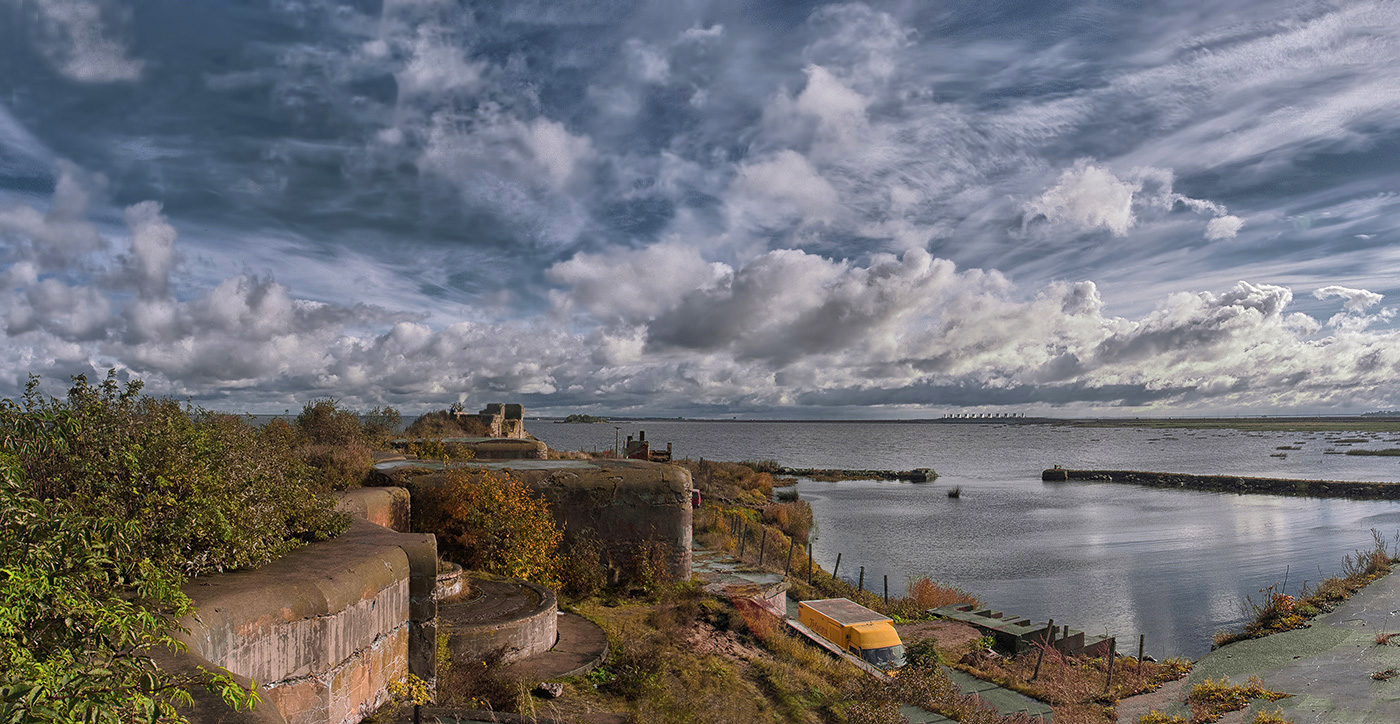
856, 629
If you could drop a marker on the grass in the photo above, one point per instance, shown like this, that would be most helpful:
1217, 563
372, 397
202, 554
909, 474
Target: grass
1073, 686
693, 657
745, 484
1279, 611
1213, 698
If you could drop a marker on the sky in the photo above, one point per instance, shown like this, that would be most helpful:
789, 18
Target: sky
706, 208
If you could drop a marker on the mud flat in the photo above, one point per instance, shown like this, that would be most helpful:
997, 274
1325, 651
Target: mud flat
1232, 483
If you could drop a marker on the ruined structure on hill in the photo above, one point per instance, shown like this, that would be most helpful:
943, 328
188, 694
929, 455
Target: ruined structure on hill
501, 419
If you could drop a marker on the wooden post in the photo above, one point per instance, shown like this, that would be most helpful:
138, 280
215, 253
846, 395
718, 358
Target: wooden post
743, 538
887, 589
1112, 654
1047, 643
837, 568
762, 543
787, 570
1142, 644
862, 579
810, 568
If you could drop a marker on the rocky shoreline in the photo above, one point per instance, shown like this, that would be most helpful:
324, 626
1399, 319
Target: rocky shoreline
919, 475
1232, 483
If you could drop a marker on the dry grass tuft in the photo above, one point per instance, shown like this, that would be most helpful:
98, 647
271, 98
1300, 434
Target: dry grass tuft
1281, 612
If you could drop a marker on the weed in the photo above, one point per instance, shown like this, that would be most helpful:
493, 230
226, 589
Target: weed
1269, 717
1212, 698
1383, 639
1157, 717
1281, 612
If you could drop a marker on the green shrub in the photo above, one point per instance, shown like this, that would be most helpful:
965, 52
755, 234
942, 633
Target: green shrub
203, 488
81, 612
333, 442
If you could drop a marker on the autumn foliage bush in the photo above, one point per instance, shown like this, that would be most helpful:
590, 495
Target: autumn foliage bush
489, 521
108, 500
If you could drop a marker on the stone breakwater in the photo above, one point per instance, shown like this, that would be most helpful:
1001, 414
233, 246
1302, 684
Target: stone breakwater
921, 475
1232, 483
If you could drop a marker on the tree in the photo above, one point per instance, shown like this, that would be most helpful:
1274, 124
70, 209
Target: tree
491, 522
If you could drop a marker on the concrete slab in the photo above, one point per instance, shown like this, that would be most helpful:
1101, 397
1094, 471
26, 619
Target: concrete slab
581, 647
1327, 667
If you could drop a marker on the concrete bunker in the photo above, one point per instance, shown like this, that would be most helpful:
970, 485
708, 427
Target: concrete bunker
623, 504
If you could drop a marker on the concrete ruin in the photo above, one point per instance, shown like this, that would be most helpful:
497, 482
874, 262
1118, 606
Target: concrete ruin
517, 618
1017, 634
640, 449
623, 504
325, 628
501, 420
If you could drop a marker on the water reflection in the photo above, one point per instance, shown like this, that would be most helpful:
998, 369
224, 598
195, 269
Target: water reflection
1172, 564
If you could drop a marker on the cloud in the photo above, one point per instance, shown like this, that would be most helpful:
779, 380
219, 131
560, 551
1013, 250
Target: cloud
1355, 300
1223, 227
782, 188
75, 36
1089, 197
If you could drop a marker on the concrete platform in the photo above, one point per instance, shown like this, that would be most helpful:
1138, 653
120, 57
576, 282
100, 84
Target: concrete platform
1327, 667
580, 648
517, 617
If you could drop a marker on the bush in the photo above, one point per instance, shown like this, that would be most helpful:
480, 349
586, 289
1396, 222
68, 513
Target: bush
203, 489
107, 501
488, 521
80, 615
445, 424
381, 424
333, 442
794, 519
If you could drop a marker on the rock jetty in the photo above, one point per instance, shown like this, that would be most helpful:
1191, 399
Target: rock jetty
1232, 483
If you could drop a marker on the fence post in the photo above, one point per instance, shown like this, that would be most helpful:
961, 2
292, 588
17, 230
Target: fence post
1142, 644
810, 569
887, 589
762, 543
862, 579
1047, 643
837, 568
787, 570
743, 540
1112, 654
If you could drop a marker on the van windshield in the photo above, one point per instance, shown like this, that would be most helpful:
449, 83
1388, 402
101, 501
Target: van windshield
890, 657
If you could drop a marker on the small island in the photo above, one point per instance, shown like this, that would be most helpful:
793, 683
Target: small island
582, 418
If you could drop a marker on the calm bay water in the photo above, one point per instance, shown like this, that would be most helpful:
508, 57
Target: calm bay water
1174, 565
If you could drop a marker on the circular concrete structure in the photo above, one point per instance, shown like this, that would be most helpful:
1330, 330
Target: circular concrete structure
516, 617
451, 583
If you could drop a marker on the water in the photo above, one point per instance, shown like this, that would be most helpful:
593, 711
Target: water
1174, 565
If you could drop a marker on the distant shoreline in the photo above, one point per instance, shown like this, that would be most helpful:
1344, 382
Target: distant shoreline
1278, 424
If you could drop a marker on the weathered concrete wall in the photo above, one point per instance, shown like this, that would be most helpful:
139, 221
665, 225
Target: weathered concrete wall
327, 627
508, 449
623, 503
518, 617
388, 507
